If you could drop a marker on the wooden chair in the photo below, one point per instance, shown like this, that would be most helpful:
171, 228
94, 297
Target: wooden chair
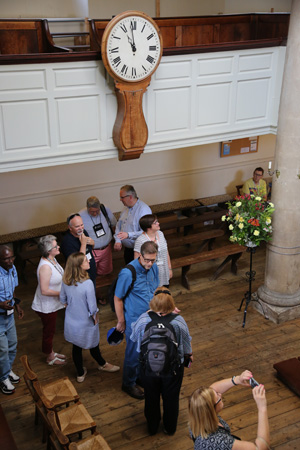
59, 441
238, 189
72, 420
59, 393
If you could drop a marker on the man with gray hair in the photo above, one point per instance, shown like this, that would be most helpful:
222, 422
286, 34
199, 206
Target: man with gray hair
99, 222
128, 226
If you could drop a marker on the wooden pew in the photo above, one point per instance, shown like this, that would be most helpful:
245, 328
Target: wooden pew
231, 252
26, 36
6, 437
206, 237
206, 217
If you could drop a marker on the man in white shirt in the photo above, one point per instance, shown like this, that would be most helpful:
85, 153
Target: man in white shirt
128, 227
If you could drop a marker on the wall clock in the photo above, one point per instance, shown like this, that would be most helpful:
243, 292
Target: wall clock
131, 51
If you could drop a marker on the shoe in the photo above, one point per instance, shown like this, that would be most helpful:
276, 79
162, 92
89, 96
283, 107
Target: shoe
109, 367
81, 379
13, 378
56, 361
102, 301
6, 386
133, 391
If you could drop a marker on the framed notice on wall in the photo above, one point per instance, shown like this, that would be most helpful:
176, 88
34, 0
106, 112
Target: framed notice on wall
239, 146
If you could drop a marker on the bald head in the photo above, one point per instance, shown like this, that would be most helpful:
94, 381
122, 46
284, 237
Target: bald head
6, 257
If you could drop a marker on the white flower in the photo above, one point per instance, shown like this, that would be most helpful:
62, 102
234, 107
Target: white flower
256, 233
223, 218
238, 204
258, 199
271, 204
241, 226
230, 227
268, 221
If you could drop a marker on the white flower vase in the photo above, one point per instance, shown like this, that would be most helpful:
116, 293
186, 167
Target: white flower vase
251, 244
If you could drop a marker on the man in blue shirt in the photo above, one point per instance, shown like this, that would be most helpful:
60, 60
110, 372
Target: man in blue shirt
8, 335
128, 226
136, 303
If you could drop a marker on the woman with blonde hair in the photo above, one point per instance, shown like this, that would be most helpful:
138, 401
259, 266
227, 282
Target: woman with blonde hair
81, 319
168, 386
210, 432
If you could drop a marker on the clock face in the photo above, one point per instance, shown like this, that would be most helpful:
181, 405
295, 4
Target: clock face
133, 48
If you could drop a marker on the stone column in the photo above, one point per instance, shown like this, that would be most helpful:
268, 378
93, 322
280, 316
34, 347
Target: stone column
280, 295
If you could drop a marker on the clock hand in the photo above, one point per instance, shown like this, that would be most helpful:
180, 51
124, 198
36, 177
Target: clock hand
133, 43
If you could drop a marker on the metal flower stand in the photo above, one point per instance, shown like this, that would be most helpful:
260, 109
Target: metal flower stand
251, 277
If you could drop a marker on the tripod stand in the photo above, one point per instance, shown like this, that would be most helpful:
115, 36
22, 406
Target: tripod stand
248, 295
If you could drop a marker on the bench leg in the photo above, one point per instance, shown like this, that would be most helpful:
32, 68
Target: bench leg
184, 279
220, 268
234, 260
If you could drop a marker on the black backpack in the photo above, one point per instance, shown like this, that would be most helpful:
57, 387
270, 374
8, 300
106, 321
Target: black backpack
159, 348
112, 287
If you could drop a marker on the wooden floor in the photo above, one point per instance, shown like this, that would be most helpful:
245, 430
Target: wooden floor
222, 348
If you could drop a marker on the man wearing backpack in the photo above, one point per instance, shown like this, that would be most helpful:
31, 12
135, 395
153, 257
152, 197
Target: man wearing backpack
136, 302
164, 343
99, 222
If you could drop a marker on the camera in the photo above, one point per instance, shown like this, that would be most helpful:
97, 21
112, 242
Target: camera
253, 383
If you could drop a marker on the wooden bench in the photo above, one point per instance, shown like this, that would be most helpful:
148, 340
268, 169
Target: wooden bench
186, 222
7, 440
206, 237
231, 252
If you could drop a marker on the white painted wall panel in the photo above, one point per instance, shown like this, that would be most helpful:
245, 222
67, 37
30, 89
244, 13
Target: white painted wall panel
23, 131
252, 99
172, 109
75, 77
22, 80
249, 63
217, 95
78, 119
215, 66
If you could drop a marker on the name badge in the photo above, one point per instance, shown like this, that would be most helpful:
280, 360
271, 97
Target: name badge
9, 312
88, 255
99, 230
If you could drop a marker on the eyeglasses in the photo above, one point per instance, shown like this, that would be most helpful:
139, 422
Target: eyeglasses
155, 222
258, 174
56, 247
149, 260
219, 400
124, 196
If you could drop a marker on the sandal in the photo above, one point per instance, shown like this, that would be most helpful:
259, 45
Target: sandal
56, 362
60, 356
102, 301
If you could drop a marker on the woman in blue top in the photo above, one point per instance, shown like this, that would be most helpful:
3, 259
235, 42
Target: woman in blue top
210, 432
81, 319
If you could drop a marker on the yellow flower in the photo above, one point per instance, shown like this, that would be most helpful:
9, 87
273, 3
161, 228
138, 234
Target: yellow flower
241, 226
256, 233
237, 217
223, 218
241, 219
258, 199
268, 220
238, 204
271, 204
230, 227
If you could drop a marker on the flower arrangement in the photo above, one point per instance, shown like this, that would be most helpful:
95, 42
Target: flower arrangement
249, 219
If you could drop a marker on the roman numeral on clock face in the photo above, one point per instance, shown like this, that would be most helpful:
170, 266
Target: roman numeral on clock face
152, 48
117, 61
124, 69
133, 71
123, 28
150, 59
115, 50
150, 36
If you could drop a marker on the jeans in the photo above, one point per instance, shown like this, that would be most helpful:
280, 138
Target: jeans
131, 362
8, 345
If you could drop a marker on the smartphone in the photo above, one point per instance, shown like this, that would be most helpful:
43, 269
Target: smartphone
253, 383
